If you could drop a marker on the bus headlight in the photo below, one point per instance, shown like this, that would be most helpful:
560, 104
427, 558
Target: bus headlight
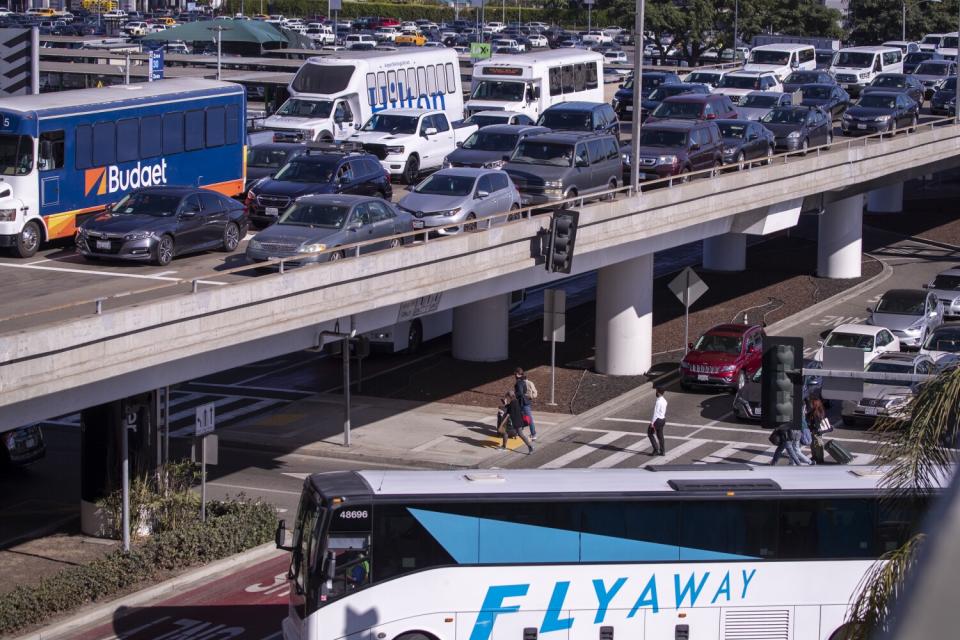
8, 215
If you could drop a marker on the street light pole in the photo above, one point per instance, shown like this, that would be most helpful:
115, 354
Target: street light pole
903, 21
736, 27
638, 47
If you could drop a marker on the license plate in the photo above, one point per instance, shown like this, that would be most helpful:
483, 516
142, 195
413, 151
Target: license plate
870, 411
844, 86
103, 244
861, 126
524, 201
703, 378
418, 224
30, 443
273, 211
629, 107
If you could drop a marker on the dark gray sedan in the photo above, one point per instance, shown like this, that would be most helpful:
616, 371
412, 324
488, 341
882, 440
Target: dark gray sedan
744, 140
491, 146
932, 73
879, 112
155, 224
313, 225
799, 128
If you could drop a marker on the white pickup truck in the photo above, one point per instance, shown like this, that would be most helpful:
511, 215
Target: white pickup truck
410, 141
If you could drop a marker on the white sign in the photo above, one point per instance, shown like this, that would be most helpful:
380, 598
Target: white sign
688, 287
419, 307
842, 359
206, 419
335, 5
554, 315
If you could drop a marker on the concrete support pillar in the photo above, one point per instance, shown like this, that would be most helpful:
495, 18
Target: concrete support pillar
727, 252
839, 239
625, 317
481, 331
887, 199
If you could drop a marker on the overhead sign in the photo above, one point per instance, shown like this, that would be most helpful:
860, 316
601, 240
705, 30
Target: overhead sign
480, 50
205, 420
688, 287
842, 359
502, 71
19, 61
156, 65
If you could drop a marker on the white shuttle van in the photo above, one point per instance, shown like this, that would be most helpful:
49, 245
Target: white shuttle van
782, 59
855, 67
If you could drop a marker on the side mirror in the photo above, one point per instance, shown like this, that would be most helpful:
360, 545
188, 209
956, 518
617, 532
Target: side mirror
354, 225
482, 194
694, 146
189, 212
459, 144
429, 131
869, 309
690, 346
46, 149
357, 126
582, 162
280, 537
925, 285
506, 158
933, 314
752, 136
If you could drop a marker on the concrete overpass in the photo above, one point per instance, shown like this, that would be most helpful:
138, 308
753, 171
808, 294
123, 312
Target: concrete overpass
170, 334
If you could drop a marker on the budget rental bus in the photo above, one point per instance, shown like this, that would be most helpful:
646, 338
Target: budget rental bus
68, 154
581, 554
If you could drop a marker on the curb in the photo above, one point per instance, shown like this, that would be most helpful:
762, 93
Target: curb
67, 628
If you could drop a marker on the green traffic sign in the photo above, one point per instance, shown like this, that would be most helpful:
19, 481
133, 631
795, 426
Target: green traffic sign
479, 50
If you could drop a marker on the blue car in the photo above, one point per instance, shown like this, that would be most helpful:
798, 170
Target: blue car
623, 99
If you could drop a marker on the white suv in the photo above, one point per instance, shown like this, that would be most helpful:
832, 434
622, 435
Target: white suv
359, 41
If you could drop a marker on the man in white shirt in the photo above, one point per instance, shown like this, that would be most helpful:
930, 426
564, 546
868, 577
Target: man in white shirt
657, 422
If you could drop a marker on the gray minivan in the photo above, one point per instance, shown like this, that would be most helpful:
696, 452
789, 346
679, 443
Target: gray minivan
558, 166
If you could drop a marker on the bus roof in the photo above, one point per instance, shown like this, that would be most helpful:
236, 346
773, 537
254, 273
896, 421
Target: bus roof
783, 46
551, 56
559, 482
81, 100
413, 53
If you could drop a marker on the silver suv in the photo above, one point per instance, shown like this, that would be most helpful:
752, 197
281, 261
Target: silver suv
451, 200
552, 167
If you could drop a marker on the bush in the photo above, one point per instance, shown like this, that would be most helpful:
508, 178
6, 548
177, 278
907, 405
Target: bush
232, 526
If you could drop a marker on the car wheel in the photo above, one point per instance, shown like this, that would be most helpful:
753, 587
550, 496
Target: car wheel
741, 380
411, 170
805, 147
469, 226
684, 175
28, 241
414, 337
395, 242
913, 124
570, 195
739, 161
514, 213
770, 153
231, 237
612, 186
336, 255
829, 139
163, 252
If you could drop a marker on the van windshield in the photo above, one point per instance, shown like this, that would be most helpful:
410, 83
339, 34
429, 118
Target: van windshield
854, 59
306, 108
16, 155
551, 153
769, 57
498, 90
325, 79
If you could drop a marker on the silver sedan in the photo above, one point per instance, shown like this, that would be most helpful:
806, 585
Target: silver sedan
453, 200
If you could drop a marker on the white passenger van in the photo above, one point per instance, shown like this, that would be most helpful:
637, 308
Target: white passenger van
855, 67
331, 96
782, 59
931, 42
948, 46
530, 83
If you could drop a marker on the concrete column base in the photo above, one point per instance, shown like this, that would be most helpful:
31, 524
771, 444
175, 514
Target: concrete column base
840, 239
625, 317
481, 330
887, 199
727, 252
93, 520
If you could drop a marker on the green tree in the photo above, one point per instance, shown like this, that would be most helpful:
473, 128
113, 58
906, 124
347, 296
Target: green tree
875, 21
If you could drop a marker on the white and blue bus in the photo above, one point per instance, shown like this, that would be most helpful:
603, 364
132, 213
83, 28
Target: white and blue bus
651, 553
71, 153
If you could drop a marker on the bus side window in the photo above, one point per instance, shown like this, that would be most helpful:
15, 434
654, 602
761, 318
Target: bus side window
216, 135
451, 79
172, 133
578, 77
104, 144
441, 80
51, 151
591, 69
127, 136
371, 89
151, 141
568, 84
83, 154
233, 124
193, 130
555, 83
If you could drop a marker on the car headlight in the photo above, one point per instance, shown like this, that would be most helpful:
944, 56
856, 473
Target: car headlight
881, 119
138, 235
793, 135
847, 117
615, 103
8, 215
728, 151
251, 195
626, 158
307, 134
448, 213
667, 160
446, 164
897, 401
728, 368
254, 244
493, 164
395, 150
916, 326
552, 183
312, 248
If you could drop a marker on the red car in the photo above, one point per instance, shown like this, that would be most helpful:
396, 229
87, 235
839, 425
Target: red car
725, 356
694, 106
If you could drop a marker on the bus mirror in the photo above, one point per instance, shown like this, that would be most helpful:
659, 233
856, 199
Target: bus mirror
46, 149
281, 536
331, 565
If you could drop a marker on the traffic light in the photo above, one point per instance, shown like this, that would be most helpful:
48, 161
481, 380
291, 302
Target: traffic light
563, 234
781, 388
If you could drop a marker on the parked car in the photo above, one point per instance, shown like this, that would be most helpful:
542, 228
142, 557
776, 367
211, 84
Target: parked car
725, 356
940, 102
744, 140
800, 77
691, 106
797, 128
491, 147
887, 398
709, 77
560, 165
912, 60
829, 97
932, 73
320, 222
757, 104
676, 147
616, 56
911, 314
155, 224
881, 111
900, 82
739, 83
21, 446
943, 345
946, 286
869, 339
316, 172
264, 160
581, 116
359, 41
623, 98
487, 118
664, 91
451, 200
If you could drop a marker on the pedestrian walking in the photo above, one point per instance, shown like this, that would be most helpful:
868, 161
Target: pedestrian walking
511, 421
657, 423
816, 414
525, 390
787, 439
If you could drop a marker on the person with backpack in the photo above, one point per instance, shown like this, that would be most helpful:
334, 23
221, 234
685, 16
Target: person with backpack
787, 438
511, 421
525, 390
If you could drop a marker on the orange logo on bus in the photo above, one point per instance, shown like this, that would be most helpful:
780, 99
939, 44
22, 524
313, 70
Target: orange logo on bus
95, 178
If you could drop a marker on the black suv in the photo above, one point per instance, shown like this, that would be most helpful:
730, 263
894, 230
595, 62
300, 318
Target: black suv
581, 116
316, 171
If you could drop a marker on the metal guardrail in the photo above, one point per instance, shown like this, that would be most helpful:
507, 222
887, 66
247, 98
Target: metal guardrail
355, 249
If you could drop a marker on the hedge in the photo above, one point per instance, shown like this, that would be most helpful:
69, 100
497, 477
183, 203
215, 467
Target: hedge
232, 527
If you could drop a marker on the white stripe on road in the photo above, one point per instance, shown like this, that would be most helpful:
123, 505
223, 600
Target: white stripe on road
252, 489
721, 454
702, 426
677, 451
94, 272
764, 458
229, 415
640, 446
583, 450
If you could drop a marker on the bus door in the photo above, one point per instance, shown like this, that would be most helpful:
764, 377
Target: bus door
50, 165
344, 121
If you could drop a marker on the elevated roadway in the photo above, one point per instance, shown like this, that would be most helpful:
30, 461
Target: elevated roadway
58, 355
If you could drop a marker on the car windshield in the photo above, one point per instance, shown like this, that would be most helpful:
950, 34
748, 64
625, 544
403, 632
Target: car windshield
650, 82
486, 121
949, 85
739, 82
662, 138
498, 90
575, 120
482, 141
552, 153
664, 91
802, 77
769, 57
733, 130
903, 305
917, 57
948, 341
16, 155
759, 102
932, 69
309, 172
877, 102
854, 59
440, 184
932, 40
266, 158
146, 203
944, 281
703, 77
878, 366
719, 343
297, 108
308, 214
785, 116
817, 92
849, 340
388, 123
897, 82
681, 110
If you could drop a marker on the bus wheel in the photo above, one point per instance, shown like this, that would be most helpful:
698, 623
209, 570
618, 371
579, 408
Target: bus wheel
28, 241
163, 253
414, 340
415, 635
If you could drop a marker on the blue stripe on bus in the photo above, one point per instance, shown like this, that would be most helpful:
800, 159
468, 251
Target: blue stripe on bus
472, 540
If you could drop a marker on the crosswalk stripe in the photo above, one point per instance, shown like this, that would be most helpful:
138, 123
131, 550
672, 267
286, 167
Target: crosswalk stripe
863, 458
640, 446
677, 451
231, 415
582, 450
763, 458
721, 454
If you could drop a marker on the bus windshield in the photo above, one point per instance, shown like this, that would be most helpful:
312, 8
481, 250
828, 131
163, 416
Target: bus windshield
306, 108
498, 90
16, 155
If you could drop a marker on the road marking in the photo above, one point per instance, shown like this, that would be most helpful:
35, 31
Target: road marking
640, 446
763, 458
721, 454
584, 449
675, 452
165, 273
701, 426
298, 476
94, 272
224, 417
252, 489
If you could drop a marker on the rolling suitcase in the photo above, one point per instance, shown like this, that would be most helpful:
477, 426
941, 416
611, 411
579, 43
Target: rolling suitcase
837, 452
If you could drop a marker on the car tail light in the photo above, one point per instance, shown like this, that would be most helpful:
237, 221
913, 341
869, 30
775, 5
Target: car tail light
386, 174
